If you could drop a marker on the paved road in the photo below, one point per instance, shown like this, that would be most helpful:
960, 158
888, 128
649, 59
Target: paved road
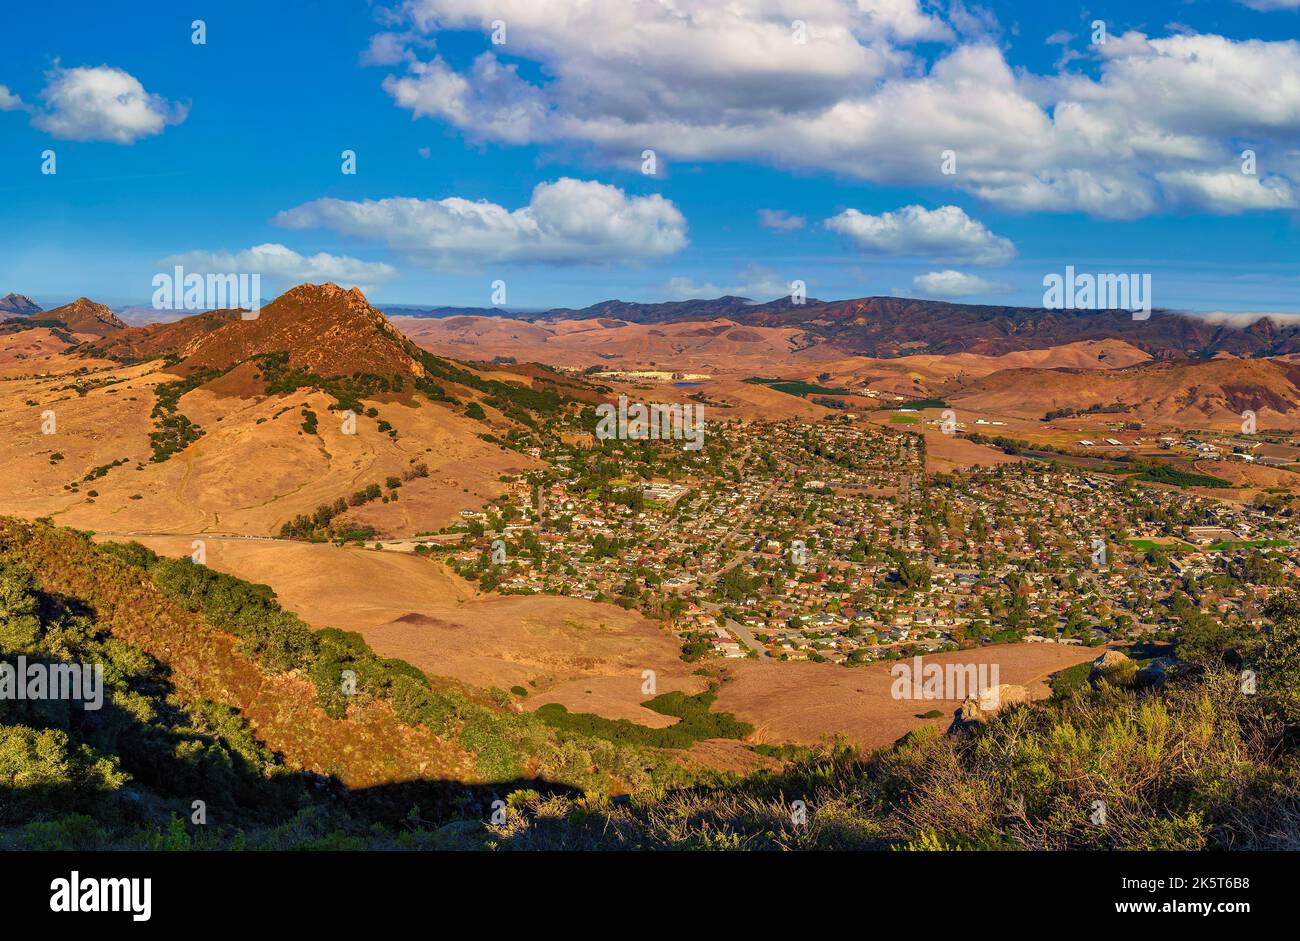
740, 631
750, 641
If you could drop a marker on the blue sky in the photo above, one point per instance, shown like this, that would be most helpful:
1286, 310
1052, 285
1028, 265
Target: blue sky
775, 159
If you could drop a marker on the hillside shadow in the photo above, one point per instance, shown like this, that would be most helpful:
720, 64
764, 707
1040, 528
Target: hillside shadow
174, 756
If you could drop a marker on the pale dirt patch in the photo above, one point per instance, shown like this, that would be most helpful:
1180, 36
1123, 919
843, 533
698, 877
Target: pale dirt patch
808, 703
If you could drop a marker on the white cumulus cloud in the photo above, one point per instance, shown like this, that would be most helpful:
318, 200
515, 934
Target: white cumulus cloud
565, 222
698, 80
102, 104
1242, 318
951, 283
278, 263
1227, 192
8, 100
943, 234
493, 103
755, 282
386, 49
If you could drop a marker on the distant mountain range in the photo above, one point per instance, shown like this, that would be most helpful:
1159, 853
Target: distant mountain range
729, 306
1200, 370
893, 326
438, 313
881, 327
900, 326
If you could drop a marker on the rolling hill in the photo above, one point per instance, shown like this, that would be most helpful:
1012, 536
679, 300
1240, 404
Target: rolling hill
213, 689
83, 317
1187, 394
673, 311
324, 329
215, 423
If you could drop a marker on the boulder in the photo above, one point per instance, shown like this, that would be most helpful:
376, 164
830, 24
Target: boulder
1114, 667
991, 701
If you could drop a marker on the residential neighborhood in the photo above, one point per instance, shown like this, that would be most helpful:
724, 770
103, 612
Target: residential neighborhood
827, 541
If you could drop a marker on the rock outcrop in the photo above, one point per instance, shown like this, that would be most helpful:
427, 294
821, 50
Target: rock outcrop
1114, 667
991, 701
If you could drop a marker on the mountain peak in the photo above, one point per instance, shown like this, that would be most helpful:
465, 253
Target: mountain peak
86, 316
18, 304
325, 329
327, 290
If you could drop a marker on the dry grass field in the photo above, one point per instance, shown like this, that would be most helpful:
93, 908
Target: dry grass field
1253, 479
1165, 395
33, 350
415, 608
254, 468
808, 702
